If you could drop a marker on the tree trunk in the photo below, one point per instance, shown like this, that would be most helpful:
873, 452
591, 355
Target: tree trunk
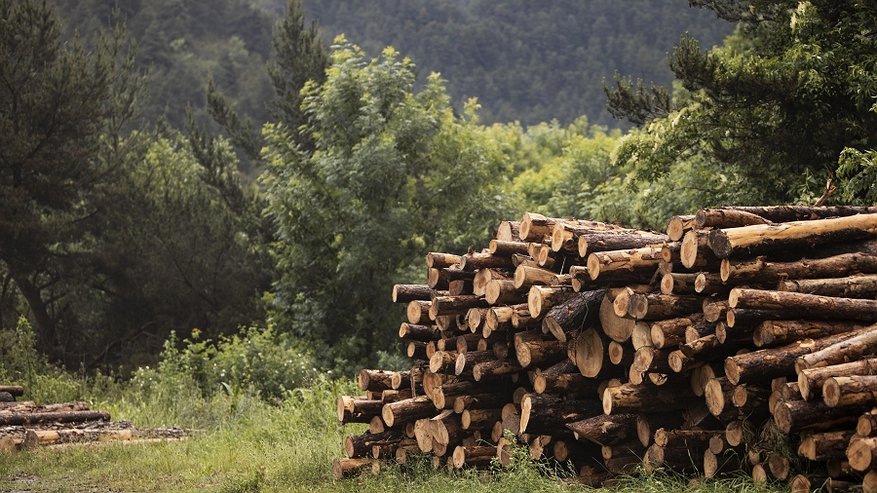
851, 345
22, 419
627, 239
679, 225
811, 380
761, 271
854, 390
776, 332
575, 313
799, 305
726, 218
860, 286
644, 259
605, 430
627, 397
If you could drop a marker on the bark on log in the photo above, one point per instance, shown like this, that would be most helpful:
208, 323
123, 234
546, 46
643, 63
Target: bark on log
656, 306
867, 424
749, 239
454, 305
21, 419
507, 248
644, 259
407, 410
440, 260
851, 345
862, 453
627, 398
491, 369
474, 261
526, 276
504, 292
793, 416
762, 271
404, 293
540, 299
825, 446
811, 380
694, 252
679, 225
605, 430
540, 352
417, 332
473, 456
786, 213
678, 283
14, 390
617, 328
345, 468
626, 239
804, 305
776, 332
854, 390
357, 410
726, 218
508, 230
859, 286
356, 446
671, 332
578, 312
375, 380
418, 311
545, 413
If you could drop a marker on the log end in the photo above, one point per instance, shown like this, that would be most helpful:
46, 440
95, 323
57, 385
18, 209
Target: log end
831, 392
387, 415
688, 250
607, 401
715, 397
593, 265
732, 370
720, 244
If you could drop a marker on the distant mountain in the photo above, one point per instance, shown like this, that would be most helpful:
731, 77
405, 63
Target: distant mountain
525, 60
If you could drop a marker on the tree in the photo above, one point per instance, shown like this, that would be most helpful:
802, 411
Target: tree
775, 105
61, 110
392, 171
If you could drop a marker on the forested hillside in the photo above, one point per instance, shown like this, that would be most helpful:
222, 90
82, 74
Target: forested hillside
524, 61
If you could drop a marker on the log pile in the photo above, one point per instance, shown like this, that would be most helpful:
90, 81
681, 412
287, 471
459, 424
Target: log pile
741, 334
25, 425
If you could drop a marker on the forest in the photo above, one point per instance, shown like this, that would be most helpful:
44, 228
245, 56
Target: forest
219, 196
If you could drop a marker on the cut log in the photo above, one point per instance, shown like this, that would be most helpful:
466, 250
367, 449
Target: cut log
540, 352
851, 345
574, 384
615, 240
357, 410
759, 238
679, 225
786, 213
641, 336
404, 293
454, 305
418, 312
794, 416
492, 369
766, 364
777, 332
761, 271
361, 445
664, 306
479, 401
670, 332
545, 413
506, 248
811, 380
375, 380
726, 218
345, 468
867, 424
862, 453
578, 312
508, 231
474, 261
617, 328
678, 283
473, 456
605, 430
407, 410
860, 286
417, 332
526, 276
694, 252
644, 259
540, 299
627, 398
694, 438
825, 446
439, 260
503, 292
804, 305
855, 390
588, 352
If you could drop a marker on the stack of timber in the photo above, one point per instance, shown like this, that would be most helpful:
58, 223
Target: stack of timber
739, 335
27, 425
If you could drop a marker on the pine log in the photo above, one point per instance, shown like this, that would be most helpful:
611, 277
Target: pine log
694, 252
710, 283
793, 416
579, 311
804, 305
666, 437
627, 398
404, 293
454, 305
540, 352
535, 226
488, 400
825, 446
641, 336
540, 299
503, 292
869, 482
474, 261
862, 453
617, 328
766, 364
417, 332
867, 424
851, 345
718, 394
418, 311
644, 259
375, 380
361, 445
859, 286
854, 390
473, 456
649, 359
499, 318
545, 413
762, 271
671, 332
679, 225
786, 213
663, 306
605, 430
615, 240
506, 248
726, 218
13, 390
492, 369
776, 332
466, 361
678, 283
779, 466
526, 276
508, 230
566, 383
439, 260
748, 239
811, 380
738, 432
588, 352
407, 410
475, 419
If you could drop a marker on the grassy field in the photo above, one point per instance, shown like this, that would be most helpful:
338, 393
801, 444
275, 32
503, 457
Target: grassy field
252, 446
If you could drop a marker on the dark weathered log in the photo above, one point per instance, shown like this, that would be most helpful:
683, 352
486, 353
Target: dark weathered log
811, 380
474, 261
578, 312
867, 424
20, 419
671, 332
800, 305
766, 364
487, 400
857, 390
417, 332
793, 416
13, 390
605, 430
749, 239
776, 332
491, 369
786, 213
696, 438
454, 305
375, 380
762, 271
473, 456
545, 413
851, 345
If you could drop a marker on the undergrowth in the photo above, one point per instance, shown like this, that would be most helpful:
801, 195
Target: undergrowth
254, 434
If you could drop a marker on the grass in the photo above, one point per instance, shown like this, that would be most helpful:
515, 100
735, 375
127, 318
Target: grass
252, 446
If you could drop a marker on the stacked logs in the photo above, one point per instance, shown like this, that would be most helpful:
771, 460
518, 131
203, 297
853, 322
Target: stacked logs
25, 425
704, 350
